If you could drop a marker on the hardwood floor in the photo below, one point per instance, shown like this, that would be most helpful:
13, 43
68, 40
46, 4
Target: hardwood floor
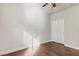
48, 49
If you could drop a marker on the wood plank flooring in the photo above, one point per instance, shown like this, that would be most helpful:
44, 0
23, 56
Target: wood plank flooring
48, 49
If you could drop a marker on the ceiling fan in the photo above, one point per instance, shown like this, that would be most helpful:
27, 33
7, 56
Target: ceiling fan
53, 4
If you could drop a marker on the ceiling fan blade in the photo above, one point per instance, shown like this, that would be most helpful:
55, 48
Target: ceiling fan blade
44, 4
53, 4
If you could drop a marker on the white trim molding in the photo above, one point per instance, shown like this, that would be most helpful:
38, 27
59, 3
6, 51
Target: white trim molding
12, 50
72, 46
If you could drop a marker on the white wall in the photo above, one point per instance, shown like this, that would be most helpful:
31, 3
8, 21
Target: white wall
37, 21
71, 26
11, 34
19, 22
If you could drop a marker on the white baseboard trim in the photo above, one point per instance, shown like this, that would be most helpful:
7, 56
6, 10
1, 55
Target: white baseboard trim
64, 44
72, 46
3, 52
56, 41
45, 41
23, 47
67, 45
12, 50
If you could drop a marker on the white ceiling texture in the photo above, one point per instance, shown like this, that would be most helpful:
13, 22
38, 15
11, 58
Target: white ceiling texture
59, 7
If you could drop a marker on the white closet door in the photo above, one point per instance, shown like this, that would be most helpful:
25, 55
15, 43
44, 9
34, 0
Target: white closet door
57, 30
54, 30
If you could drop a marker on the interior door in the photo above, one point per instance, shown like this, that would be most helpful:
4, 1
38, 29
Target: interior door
57, 30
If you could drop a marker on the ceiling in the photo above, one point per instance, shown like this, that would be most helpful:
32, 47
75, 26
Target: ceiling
59, 7
62, 6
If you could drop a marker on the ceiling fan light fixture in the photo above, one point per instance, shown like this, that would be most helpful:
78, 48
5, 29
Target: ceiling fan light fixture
53, 4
